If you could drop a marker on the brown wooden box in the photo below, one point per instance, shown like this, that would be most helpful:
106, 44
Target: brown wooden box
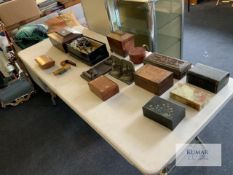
120, 43
103, 87
61, 37
153, 79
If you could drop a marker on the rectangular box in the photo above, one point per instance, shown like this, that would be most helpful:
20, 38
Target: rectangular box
177, 66
190, 95
207, 77
45, 62
164, 112
96, 54
120, 42
103, 87
153, 79
61, 37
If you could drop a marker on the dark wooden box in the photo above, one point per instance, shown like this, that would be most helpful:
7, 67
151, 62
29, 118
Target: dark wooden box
207, 77
164, 112
61, 37
177, 66
153, 79
120, 42
103, 87
98, 54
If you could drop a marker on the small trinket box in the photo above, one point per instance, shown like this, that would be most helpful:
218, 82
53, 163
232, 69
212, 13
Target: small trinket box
137, 54
177, 66
120, 42
190, 95
207, 77
45, 62
103, 87
153, 79
164, 112
61, 37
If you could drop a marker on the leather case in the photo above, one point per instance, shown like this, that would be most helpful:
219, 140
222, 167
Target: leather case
207, 77
103, 87
95, 55
153, 79
61, 37
98, 70
45, 62
190, 95
164, 112
177, 66
120, 43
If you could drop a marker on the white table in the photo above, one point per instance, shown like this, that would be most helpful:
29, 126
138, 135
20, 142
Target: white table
147, 145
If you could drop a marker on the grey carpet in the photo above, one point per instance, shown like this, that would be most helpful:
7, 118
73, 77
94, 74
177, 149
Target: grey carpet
37, 138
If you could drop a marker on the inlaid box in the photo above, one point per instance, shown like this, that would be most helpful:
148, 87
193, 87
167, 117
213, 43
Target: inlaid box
164, 112
153, 79
103, 87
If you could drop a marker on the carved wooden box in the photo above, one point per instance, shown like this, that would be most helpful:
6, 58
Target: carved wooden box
164, 112
177, 66
153, 79
103, 87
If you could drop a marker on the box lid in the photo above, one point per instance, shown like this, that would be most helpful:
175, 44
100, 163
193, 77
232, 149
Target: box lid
120, 36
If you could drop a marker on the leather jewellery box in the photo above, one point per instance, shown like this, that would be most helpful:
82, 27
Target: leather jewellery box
61, 37
177, 66
120, 43
164, 112
153, 79
103, 87
88, 50
45, 62
207, 77
190, 95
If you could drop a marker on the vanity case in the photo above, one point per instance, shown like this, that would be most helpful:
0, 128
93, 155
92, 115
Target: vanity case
207, 77
103, 87
156, 23
153, 79
177, 66
61, 37
164, 112
88, 50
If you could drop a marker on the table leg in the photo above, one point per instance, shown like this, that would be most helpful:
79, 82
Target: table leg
53, 97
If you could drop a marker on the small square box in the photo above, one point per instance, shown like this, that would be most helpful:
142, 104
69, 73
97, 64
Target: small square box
103, 87
61, 37
207, 77
45, 62
164, 112
120, 43
153, 79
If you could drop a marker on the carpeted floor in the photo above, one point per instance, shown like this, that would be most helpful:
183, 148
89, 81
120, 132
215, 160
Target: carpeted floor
37, 138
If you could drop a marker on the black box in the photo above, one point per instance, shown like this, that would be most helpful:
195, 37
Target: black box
164, 112
98, 54
207, 77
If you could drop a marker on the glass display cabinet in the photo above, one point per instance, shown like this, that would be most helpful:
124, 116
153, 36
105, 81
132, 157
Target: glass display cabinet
156, 23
